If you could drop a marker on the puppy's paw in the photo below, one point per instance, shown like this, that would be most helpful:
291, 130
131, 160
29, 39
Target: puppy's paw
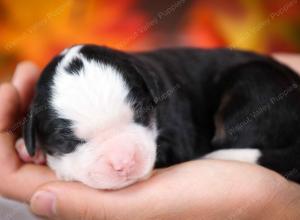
38, 158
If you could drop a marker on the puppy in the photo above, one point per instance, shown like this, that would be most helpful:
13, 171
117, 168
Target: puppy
106, 118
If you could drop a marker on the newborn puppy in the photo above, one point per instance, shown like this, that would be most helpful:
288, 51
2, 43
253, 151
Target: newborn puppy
107, 118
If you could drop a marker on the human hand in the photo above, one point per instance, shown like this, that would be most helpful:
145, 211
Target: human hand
291, 60
180, 192
201, 189
18, 180
193, 190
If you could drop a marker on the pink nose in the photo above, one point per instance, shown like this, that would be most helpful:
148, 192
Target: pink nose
123, 164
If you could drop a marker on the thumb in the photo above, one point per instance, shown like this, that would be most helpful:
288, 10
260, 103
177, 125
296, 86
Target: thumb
64, 200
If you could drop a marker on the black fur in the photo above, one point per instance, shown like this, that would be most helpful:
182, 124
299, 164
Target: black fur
75, 66
54, 134
202, 101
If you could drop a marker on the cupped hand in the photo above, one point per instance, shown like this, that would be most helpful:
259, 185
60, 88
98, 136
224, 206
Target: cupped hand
197, 190
18, 180
200, 189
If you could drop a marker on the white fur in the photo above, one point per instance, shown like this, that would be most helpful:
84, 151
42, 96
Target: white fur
94, 99
88, 165
95, 102
244, 155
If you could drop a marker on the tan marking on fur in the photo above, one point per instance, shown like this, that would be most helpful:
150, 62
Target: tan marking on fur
219, 120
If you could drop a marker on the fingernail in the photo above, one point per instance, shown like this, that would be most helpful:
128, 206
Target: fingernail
43, 203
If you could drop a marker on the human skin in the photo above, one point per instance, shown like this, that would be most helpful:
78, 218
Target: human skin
202, 189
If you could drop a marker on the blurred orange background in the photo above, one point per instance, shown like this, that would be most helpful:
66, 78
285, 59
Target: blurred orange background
37, 30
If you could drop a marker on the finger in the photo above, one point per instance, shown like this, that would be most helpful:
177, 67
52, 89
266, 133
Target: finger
292, 60
24, 79
68, 201
9, 101
158, 196
8, 158
10, 106
21, 184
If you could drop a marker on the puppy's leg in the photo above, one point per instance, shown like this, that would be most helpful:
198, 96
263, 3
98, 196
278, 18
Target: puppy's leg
39, 157
244, 155
259, 108
286, 162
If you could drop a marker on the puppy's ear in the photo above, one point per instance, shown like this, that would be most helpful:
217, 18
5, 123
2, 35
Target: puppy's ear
149, 78
29, 132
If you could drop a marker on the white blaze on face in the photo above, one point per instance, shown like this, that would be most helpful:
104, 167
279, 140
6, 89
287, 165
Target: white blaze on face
118, 151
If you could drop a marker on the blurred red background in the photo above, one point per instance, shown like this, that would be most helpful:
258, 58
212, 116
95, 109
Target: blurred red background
37, 30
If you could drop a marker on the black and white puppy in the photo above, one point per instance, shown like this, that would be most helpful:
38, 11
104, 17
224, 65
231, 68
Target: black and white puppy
107, 118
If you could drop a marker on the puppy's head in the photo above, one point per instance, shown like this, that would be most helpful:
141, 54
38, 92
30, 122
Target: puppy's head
93, 115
